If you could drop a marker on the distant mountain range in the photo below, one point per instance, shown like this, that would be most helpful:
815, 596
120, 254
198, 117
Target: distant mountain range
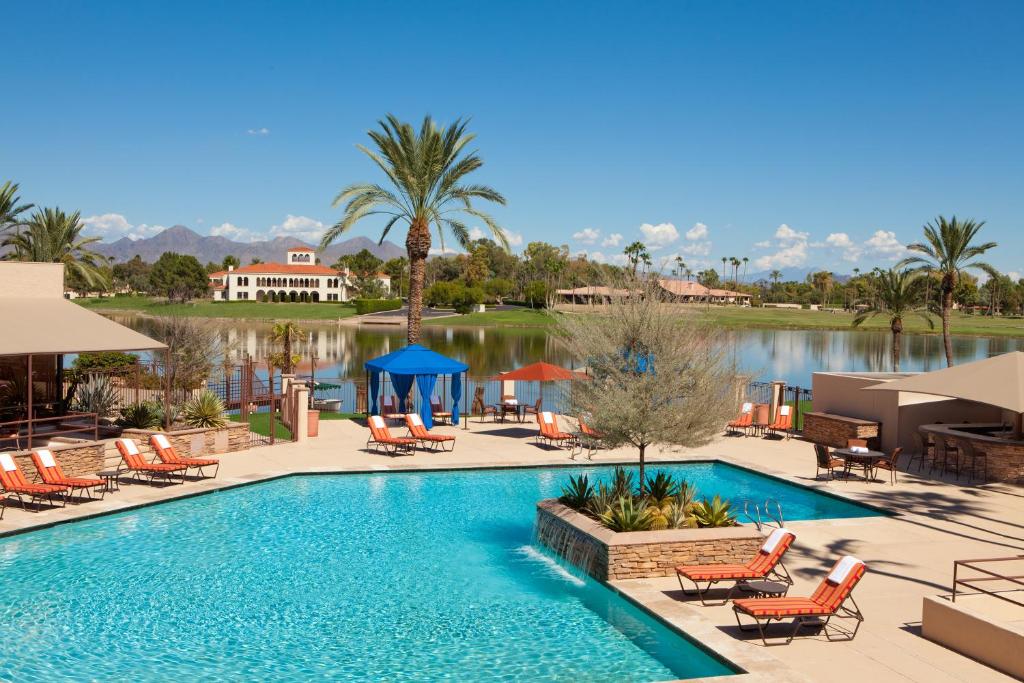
184, 240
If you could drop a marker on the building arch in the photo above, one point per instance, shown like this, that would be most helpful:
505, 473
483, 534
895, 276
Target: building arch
293, 296
261, 295
315, 297
282, 296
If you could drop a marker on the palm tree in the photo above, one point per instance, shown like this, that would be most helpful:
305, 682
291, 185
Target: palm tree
688, 273
286, 334
898, 295
680, 266
52, 236
426, 171
10, 209
947, 251
636, 253
775, 276
724, 260
745, 260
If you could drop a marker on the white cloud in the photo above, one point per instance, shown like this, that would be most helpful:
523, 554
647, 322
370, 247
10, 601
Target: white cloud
792, 250
515, 239
612, 240
884, 244
841, 242
696, 249
258, 132
302, 227
657, 236
113, 226
601, 257
447, 251
587, 235
764, 244
699, 231
106, 224
476, 233
787, 235
232, 232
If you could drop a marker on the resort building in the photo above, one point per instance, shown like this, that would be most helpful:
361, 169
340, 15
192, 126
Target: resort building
689, 292
299, 278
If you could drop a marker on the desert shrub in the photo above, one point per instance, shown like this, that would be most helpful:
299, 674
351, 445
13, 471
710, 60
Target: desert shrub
578, 493
205, 409
144, 415
96, 395
465, 299
536, 294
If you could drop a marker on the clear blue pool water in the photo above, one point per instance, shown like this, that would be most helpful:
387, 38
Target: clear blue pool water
390, 577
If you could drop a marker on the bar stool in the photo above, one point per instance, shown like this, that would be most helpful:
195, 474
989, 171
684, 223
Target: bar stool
972, 459
924, 452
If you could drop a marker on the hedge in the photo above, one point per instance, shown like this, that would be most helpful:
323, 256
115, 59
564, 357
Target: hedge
364, 306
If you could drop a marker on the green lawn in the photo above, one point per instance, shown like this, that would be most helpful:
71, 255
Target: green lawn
260, 423
525, 317
249, 310
798, 319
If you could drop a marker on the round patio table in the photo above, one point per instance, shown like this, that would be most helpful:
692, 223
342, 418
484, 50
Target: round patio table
865, 460
517, 409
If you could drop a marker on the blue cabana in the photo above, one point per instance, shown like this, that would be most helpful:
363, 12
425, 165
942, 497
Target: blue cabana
417, 364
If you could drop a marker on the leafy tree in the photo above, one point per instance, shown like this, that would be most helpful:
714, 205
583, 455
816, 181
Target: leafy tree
133, 274
440, 294
466, 299
658, 378
362, 264
948, 250
178, 277
898, 295
708, 278
52, 236
536, 294
369, 287
426, 170
256, 260
11, 207
498, 289
478, 268
230, 262
397, 269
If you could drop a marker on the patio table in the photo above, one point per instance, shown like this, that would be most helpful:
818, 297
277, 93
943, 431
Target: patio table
865, 460
517, 409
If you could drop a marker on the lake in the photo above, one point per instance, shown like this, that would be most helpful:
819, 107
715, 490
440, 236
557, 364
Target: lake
789, 355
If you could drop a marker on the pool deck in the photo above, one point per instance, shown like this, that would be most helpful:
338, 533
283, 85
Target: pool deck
909, 555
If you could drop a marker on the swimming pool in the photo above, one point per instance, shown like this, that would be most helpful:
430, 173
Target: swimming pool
397, 577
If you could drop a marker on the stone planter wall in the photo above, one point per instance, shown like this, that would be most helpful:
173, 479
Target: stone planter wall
81, 459
197, 443
835, 430
608, 556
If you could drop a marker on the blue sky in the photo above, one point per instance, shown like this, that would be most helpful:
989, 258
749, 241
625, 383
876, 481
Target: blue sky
796, 134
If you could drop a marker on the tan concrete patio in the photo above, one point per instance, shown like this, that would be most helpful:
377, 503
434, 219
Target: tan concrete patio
909, 555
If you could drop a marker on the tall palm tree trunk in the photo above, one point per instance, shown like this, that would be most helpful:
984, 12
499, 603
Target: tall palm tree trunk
897, 331
417, 245
947, 340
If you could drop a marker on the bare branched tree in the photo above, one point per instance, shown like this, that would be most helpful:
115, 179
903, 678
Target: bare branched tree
194, 348
661, 376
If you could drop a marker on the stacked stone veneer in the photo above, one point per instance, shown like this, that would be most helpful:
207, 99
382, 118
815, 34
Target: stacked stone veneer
85, 458
1005, 461
836, 430
609, 556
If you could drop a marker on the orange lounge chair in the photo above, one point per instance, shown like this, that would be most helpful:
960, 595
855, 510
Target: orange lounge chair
783, 422
418, 431
133, 461
588, 439
381, 439
767, 564
828, 601
12, 479
549, 431
438, 412
165, 451
744, 421
51, 473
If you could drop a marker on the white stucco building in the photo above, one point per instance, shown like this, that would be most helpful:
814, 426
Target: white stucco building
300, 278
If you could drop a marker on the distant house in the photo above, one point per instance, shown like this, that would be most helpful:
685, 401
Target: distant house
300, 278
590, 294
686, 291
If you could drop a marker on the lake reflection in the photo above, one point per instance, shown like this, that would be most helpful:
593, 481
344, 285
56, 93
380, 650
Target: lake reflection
789, 355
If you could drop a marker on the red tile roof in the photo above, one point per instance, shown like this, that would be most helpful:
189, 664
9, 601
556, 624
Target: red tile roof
301, 249
286, 269
219, 273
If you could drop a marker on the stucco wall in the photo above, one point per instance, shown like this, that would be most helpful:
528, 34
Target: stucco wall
31, 280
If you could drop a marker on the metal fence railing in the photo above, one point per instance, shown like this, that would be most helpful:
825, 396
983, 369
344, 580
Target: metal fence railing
1000, 585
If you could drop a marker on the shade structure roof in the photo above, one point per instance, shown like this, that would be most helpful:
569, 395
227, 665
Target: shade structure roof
53, 325
996, 381
541, 372
416, 360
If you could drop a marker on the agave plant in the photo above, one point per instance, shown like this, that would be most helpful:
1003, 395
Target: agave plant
661, 489
680, 509
144, 415
623, 483
714, 513
577, 493
627, 514
96, 395
205, 409
601, 501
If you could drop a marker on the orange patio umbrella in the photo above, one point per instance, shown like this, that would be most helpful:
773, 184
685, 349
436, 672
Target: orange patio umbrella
541, 372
